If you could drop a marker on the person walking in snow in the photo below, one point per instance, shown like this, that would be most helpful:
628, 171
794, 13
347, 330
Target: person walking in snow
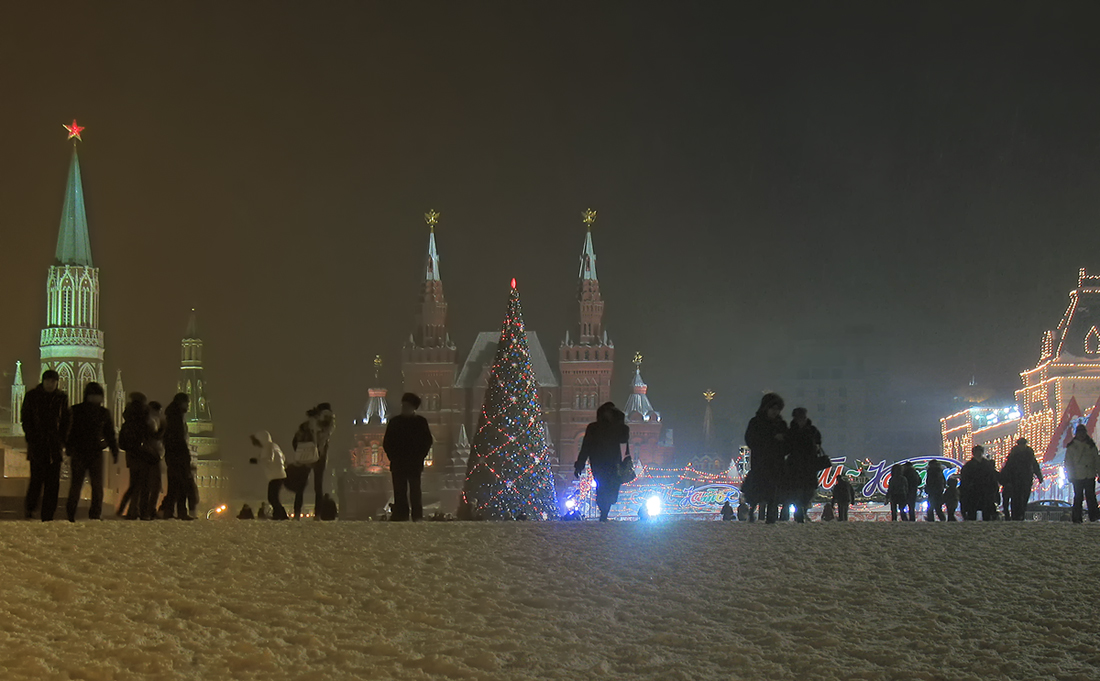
92, 431
844, 495
177, 459
324, 424
804, 461
602, 449
933, 488
912, 479
273, 464
300, 465
154, 450
766, 437
1016, 475
978, 486
132, 439
46, 420
898, 492
951, 498
1082, 465
407, 442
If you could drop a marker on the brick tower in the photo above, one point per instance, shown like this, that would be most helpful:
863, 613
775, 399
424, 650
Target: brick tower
586, 365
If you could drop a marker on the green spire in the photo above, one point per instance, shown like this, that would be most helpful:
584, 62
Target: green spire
73, 247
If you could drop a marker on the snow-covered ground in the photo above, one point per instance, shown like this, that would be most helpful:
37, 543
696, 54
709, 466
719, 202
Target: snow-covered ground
673, 600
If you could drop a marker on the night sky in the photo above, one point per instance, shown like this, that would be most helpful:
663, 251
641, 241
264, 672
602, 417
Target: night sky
927, 171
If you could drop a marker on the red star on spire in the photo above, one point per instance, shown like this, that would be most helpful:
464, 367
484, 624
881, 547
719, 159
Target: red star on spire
74, 130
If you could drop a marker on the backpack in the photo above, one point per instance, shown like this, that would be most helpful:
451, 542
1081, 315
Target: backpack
129, 439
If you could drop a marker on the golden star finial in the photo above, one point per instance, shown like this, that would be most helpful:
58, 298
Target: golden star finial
709, 395
431, 217
637, 359
589, 216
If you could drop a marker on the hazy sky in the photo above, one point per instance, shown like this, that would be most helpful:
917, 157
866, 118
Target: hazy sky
929, 169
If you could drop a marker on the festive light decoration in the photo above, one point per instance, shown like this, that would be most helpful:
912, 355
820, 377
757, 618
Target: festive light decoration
74, 130
509, 471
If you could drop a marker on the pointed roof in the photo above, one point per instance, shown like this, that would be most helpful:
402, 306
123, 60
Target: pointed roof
73, 246
192, 326
638, 402
588, 258
431, 270
485, 348
463, 439
18, 374
1075, 340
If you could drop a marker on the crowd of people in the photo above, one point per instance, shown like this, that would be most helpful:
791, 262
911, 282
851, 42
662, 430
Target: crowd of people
785, 462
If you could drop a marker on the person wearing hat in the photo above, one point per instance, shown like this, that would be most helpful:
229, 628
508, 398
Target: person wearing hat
92, 431
1020, 467
407, 442
46, 419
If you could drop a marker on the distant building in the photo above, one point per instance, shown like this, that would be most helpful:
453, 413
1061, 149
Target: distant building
453, 390
1067, 374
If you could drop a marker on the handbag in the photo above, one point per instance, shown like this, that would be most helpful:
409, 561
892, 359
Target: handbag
306, 454
626, 468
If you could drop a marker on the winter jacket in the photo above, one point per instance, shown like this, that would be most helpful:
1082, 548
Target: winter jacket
804, 459
602, 448
951, 495
933, 479
1082, 459
177, 441
46, 420
271, 459
898, 490
1020, 466
138, 436
978, 487
912, 478
766, 451
92, 432
407, 442
843, 493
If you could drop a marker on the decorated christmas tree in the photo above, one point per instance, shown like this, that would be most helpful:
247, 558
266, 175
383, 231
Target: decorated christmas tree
509, 471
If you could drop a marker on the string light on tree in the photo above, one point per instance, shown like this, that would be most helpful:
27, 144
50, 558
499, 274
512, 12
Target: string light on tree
509, 471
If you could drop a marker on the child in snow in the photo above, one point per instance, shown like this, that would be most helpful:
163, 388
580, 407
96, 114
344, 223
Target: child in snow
898, 492
951, 497
827, 512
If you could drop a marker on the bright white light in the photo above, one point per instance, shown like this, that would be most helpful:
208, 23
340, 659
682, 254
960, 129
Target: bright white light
653, 505
1061, 476
593, 483
792, 508
570, 503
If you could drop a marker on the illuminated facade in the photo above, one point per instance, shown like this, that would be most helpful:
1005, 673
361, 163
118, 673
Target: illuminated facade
1066, 375
453, 390
209, 475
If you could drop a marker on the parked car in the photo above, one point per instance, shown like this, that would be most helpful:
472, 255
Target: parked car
1048, 509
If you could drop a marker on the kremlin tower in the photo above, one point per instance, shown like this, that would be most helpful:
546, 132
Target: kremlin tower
72, 344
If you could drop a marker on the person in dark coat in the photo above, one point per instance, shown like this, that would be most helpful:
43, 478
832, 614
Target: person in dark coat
727, 511
978, 486
1081, 466
154, 451
766, 437
46, 419
912, 477
134, 438
407, 442
844, 495
326, 423
951, 498
933, 488
92, 432
1020, 467
897, 491
601, 448
804, 461
177, 459
300, 463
